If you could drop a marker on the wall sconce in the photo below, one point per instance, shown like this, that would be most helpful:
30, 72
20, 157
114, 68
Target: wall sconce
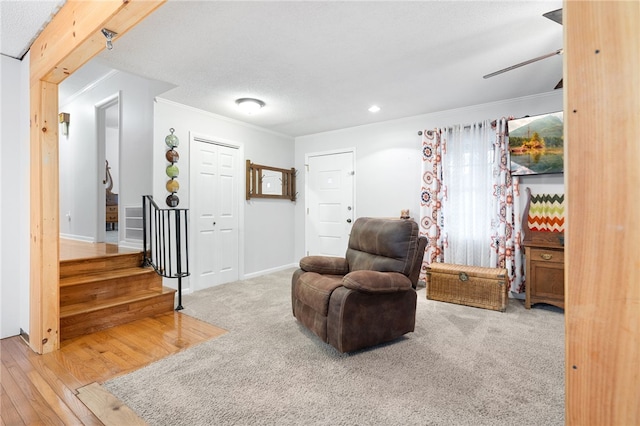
64, 118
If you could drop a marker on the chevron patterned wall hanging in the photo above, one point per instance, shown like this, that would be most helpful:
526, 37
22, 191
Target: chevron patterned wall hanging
546, 213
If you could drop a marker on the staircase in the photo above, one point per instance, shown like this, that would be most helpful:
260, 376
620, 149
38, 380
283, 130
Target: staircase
101, 292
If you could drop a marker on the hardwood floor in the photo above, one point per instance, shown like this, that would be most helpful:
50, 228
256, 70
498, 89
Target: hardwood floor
72, 249
44, 389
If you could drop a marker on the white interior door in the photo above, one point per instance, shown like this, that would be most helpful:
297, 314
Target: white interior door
330, 203
214, 205
226, 223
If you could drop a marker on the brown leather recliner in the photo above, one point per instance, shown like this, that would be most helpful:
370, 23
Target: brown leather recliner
368, 297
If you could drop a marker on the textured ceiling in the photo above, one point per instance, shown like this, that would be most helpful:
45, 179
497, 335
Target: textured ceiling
319, 65
21, 22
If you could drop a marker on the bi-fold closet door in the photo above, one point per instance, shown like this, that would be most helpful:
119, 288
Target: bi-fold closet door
214, 203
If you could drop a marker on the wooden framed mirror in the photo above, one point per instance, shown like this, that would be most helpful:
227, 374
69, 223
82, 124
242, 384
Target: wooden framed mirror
270, 182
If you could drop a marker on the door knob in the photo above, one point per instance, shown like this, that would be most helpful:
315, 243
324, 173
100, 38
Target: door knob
214, 224
348, 220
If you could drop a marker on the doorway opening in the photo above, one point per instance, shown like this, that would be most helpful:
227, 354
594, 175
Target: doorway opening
108, 160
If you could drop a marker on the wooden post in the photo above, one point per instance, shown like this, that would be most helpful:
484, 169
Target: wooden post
71, 39
44, 241
602, 184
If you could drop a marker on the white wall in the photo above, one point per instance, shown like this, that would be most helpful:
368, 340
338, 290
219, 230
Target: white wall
388, 156
81, 173
14, 208
267, 232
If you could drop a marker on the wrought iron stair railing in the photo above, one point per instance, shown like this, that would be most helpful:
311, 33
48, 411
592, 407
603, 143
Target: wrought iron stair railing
165, 241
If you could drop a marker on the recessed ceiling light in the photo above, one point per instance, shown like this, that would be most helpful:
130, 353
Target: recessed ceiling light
250, 105
374, 108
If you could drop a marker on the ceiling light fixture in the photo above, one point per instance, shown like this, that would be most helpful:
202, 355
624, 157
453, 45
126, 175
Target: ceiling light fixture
250, 105
374, 108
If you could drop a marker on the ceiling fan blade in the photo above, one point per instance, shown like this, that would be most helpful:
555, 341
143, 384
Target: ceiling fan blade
521, 64
554, 15
559, 85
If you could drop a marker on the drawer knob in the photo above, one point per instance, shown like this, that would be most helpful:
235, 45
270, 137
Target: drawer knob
546, 256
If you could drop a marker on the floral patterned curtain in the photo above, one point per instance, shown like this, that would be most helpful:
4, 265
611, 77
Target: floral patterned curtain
504, 229
432, 195
506, 226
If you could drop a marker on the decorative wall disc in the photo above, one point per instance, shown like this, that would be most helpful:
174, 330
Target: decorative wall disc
172, 171
173, 200
172, 140
172, 156
173, 186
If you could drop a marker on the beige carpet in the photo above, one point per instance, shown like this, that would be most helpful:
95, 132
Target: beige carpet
461, 366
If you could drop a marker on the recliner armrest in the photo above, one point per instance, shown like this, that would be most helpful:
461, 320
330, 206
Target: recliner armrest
326, 265
376, 282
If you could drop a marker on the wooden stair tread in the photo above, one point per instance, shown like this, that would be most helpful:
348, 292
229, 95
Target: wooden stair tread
108, 256
96, 305
104, 275
73, 267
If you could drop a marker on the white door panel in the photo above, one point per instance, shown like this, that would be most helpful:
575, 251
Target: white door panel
228, 259
206, 268
228, 220
330, 203
226, 196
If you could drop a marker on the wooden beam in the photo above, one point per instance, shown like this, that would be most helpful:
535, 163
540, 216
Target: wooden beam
602, 177
74, 36
71, 39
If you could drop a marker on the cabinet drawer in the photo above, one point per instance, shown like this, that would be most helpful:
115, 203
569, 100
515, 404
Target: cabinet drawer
112, 217
546, 255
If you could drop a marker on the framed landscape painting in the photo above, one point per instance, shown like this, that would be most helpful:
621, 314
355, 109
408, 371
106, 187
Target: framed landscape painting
536, 144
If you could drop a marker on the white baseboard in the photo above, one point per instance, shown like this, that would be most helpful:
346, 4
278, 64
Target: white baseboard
136, 245
77, 238
269, 271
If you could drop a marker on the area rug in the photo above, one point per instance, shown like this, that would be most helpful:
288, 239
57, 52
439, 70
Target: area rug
461, 366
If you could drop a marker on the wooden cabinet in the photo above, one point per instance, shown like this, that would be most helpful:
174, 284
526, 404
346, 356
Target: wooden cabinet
112, 216
544, 274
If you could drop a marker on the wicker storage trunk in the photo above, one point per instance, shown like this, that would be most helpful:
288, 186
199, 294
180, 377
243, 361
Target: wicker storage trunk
468, 285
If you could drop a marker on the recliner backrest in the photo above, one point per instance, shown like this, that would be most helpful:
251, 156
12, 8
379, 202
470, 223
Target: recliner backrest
417, 262
385, 245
